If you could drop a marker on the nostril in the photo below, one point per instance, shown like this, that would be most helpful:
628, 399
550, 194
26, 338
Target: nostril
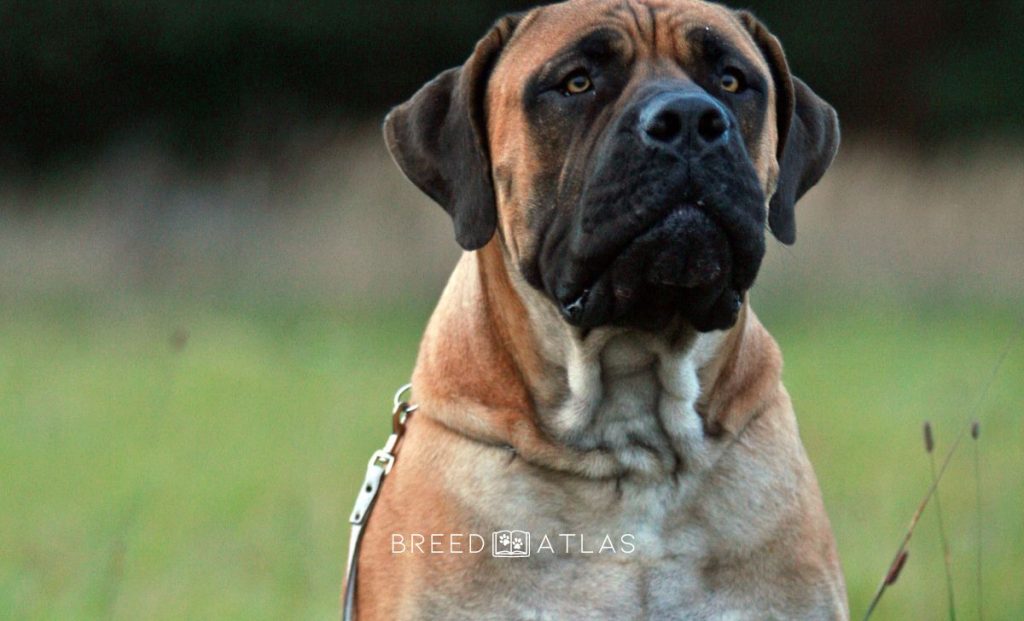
711, 125
665, 126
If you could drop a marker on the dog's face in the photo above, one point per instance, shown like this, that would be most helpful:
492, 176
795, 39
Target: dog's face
630, 154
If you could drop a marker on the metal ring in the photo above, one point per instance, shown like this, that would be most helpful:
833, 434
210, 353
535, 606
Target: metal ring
408, 409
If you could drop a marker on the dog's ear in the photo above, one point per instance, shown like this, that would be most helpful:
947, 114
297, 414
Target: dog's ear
808, 131
439, 140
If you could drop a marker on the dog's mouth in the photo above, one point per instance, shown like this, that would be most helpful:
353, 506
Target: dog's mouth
681, 265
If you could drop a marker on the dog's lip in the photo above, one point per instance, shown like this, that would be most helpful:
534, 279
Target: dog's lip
573, 299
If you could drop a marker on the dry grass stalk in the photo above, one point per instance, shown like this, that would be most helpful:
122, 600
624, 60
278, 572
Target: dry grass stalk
929, 447
902, 549
975, 432
974, 429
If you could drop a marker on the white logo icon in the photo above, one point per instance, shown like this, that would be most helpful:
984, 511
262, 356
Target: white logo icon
510, 544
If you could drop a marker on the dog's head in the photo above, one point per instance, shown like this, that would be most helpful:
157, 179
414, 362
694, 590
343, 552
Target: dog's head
628, 152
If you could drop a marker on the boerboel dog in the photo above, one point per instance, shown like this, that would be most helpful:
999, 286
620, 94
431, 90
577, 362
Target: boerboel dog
593, 381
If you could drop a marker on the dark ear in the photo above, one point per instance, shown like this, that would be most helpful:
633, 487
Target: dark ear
439, 140
808, 130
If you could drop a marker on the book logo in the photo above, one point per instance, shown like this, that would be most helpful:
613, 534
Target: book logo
510, 544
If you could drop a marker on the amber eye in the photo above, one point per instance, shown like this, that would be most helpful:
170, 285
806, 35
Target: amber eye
577, 83
731, 81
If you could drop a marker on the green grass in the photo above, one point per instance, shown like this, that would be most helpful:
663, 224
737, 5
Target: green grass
143, 480
863, 379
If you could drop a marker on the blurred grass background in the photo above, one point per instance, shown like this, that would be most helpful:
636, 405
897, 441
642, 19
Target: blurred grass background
212, 279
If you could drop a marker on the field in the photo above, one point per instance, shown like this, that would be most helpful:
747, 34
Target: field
169, 460
187, 403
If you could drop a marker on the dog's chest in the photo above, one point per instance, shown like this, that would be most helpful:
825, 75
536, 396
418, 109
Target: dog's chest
597, 550
646, 542
671, 538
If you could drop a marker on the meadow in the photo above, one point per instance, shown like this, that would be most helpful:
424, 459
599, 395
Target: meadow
185, 440
164, 460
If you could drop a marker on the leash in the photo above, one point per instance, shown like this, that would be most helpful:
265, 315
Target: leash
380, 466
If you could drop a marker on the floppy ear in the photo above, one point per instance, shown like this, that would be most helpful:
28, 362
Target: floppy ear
439, 140
808, 131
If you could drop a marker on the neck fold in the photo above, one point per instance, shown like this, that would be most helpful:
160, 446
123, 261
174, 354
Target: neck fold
499, 365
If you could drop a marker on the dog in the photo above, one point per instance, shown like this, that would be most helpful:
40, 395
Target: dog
593, 379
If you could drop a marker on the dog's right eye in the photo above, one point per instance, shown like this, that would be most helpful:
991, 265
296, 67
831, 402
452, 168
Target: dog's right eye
732, 80
577, 83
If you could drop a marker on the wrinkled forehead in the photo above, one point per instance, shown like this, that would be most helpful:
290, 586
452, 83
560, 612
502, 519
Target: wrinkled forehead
679, 31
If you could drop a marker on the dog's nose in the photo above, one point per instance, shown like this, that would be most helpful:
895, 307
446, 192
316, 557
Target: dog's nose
683, 121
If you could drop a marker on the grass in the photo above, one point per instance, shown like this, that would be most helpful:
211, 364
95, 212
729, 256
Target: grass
863, 378
148, 475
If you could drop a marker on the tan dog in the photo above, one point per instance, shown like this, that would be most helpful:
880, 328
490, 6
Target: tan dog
593, 376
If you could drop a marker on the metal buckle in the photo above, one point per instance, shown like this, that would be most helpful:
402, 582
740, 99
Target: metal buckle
397, 400
383, 459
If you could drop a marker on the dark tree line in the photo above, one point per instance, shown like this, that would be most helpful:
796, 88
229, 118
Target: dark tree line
75, 75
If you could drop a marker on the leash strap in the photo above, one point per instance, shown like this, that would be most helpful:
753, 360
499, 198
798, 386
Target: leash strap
379, 467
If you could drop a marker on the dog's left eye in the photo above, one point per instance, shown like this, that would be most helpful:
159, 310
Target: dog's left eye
577, 83
732, 80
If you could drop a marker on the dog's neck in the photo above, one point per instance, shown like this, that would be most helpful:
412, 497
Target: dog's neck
501, 366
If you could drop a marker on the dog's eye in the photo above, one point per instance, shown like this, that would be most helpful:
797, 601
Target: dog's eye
577, 83
732, 80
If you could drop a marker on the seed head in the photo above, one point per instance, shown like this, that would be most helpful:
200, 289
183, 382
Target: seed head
896, 568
